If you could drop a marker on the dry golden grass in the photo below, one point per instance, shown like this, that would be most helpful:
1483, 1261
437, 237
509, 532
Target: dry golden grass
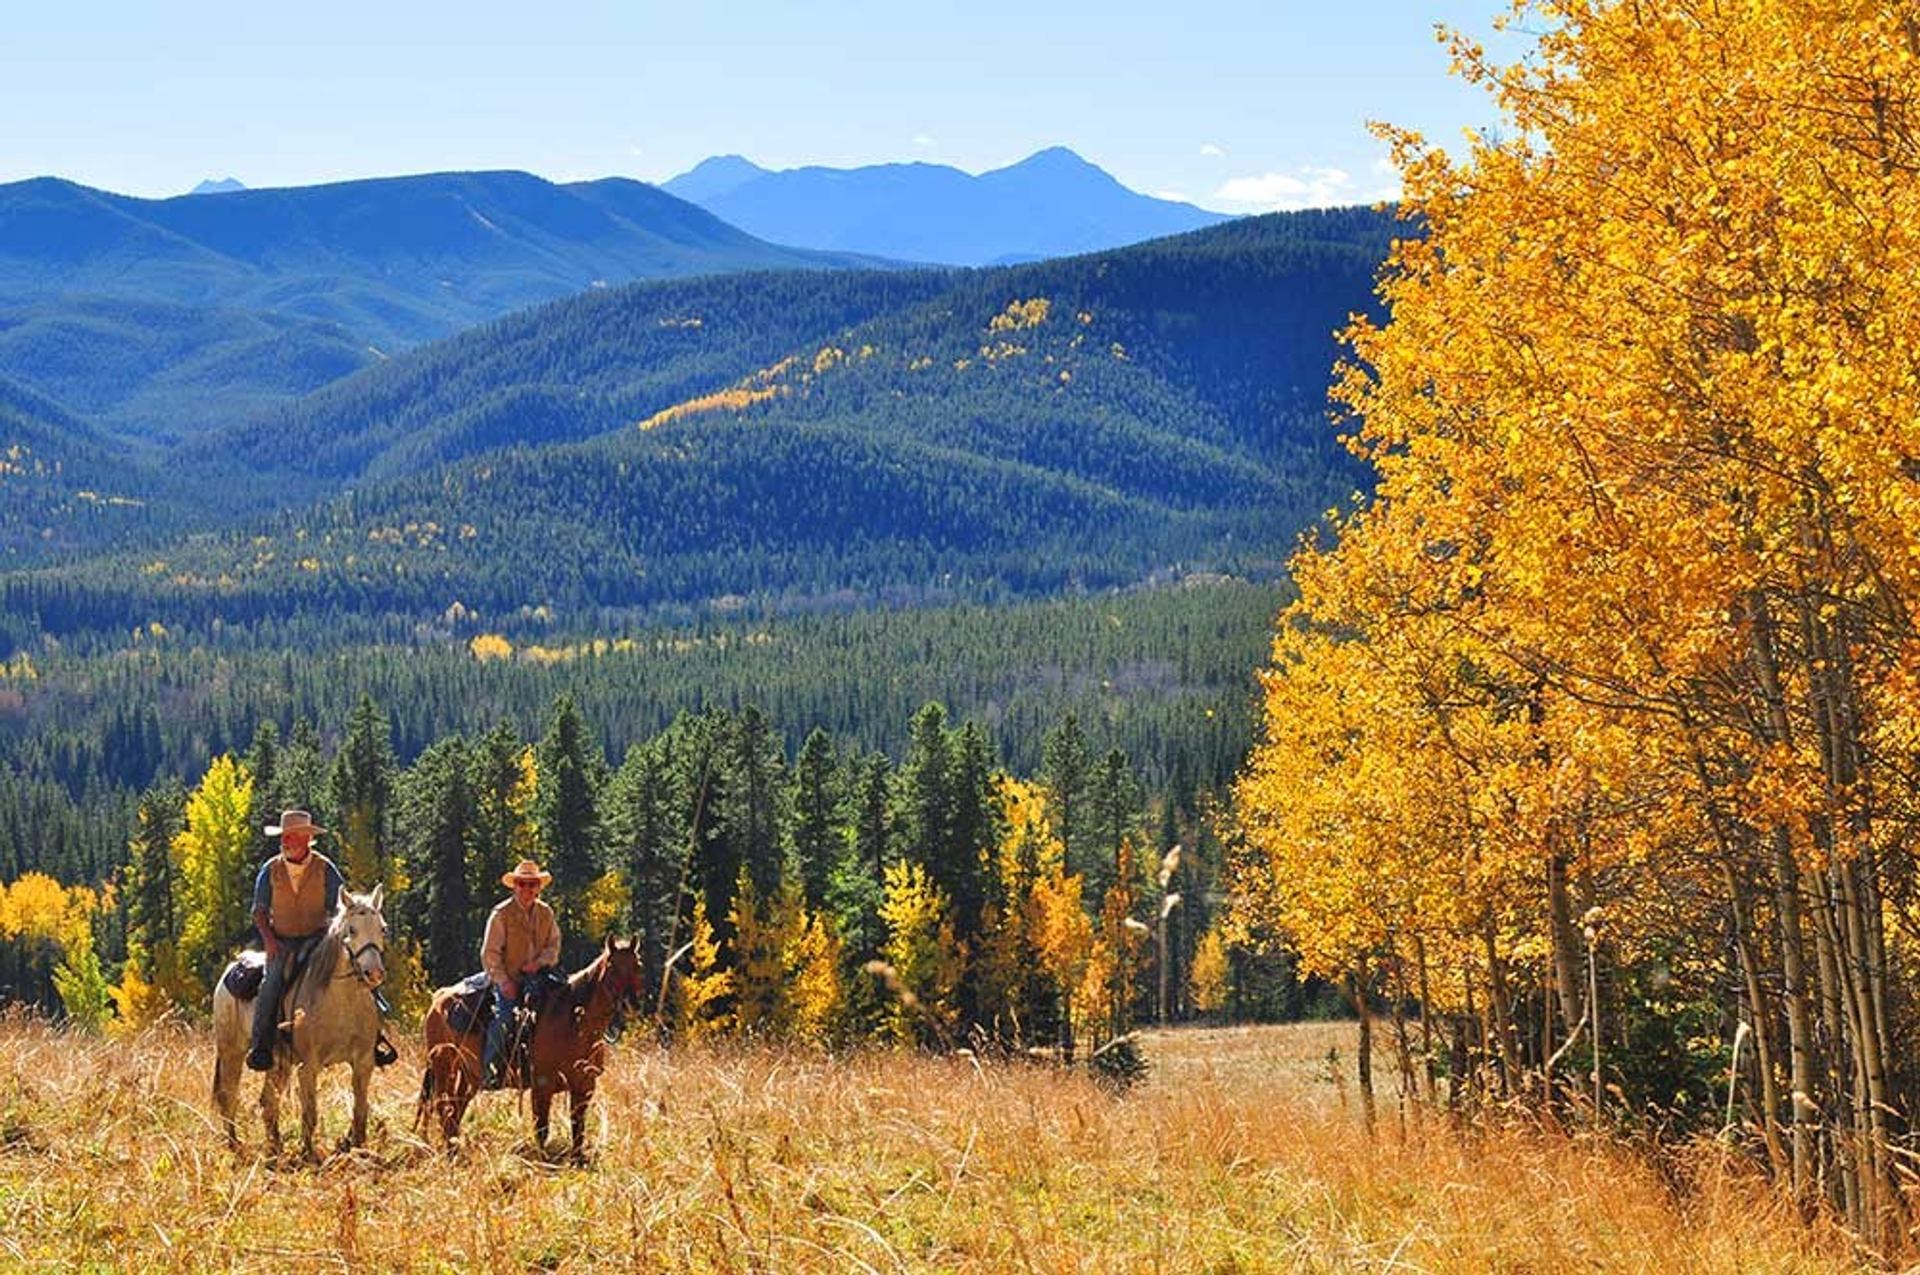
1236, 1155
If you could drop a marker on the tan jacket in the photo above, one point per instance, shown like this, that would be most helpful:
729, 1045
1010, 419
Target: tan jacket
516, 935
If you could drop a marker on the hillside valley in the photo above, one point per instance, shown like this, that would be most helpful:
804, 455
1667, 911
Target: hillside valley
1088, 422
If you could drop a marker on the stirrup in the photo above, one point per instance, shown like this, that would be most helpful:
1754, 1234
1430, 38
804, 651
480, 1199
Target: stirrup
384, 1054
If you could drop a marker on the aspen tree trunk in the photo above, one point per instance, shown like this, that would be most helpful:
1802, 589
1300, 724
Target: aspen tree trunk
1786, 886
1760, 1016
1357, 991
1502, 1009
1842, 1144
1825, 672
1566, 955
1426, 1020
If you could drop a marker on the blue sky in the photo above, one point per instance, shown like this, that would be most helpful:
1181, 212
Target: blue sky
1234, 104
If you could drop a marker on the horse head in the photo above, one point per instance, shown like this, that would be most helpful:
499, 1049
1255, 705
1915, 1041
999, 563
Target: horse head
621, 973
363, 934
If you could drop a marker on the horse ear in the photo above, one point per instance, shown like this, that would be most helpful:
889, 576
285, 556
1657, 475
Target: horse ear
379, 893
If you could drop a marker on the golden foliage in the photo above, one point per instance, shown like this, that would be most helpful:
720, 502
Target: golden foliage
607, 904
211, 854
490, 646
920, 949
736, 398
1021, 314
703, 989
1207, 976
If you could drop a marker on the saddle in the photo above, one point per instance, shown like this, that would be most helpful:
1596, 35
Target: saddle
244, 976
472, 1004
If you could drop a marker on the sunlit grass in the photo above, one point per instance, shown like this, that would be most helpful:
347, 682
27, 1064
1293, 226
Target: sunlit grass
1236, 1155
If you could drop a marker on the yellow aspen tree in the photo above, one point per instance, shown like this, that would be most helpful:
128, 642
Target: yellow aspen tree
1643, 425
762, 932
923, 957
816, 992
213, 855
704, 990
1207, 975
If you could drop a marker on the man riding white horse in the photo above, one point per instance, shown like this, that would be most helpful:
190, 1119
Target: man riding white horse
294, 894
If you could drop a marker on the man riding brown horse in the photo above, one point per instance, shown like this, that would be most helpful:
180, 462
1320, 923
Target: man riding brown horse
522, 942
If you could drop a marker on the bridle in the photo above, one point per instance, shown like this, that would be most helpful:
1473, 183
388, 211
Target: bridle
359, 970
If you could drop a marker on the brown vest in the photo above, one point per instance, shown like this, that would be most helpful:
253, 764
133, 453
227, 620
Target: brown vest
527, 931
301, 913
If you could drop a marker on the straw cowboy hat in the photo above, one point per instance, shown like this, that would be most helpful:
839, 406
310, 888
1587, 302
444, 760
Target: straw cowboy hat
293, 821
527, 871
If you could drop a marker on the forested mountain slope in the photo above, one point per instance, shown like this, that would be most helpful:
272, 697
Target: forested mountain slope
164, 318
1094, 421
395, 260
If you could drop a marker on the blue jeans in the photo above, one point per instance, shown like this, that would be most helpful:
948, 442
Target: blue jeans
266, 1002
493, 1050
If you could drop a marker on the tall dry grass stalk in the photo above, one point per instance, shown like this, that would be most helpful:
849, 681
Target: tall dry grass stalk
1234, 1155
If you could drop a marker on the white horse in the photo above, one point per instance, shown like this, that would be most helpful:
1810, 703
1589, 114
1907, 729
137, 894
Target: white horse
334, 1020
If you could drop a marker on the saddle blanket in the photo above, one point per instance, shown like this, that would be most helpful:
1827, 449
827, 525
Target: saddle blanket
472, 1003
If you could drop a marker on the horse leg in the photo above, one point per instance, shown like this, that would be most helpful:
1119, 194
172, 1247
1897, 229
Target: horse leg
309, 1107
577, 1100
226, 1091
270, 1086
362, 1074
542, 1111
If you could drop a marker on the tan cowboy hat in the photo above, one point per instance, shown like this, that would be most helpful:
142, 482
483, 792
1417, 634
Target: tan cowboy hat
527, 871
293, 821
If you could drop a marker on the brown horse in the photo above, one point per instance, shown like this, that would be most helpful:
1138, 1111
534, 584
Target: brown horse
567, 1051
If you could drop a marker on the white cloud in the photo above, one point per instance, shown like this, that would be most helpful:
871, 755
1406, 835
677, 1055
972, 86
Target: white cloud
922, 140
1211, 151
1178, 196
1308, 186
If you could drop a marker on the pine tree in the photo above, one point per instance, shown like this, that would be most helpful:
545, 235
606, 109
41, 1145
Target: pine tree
360, 799
300, 772
148, 890
751, 813
501, 781
566, 819
436, 820
818, 837
646, 838
1113, 808
1066, 772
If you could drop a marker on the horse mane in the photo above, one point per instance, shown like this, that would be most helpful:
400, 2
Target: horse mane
318, 968
583, 982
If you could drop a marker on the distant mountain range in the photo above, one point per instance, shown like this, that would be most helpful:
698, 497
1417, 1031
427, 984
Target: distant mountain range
217, 186
158, 318
396, 260
1051, 204
1091, 421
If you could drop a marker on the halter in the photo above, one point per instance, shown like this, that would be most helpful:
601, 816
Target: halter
353, 958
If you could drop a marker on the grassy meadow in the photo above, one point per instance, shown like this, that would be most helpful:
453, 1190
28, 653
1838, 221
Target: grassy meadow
1240, 1152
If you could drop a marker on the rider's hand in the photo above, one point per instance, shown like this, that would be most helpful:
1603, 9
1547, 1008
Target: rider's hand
530, 966
511, 990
